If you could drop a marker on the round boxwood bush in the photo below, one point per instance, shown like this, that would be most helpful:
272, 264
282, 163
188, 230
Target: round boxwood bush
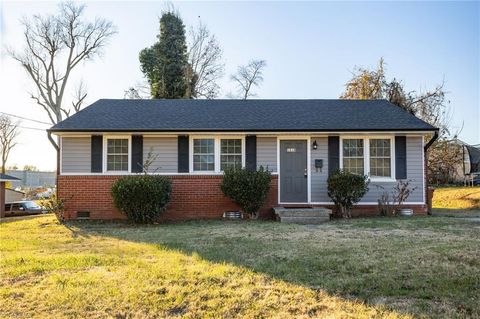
346, 189
142, 198
247, 188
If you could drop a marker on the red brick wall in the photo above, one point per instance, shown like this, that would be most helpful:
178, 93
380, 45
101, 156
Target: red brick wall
193, 197
372, 210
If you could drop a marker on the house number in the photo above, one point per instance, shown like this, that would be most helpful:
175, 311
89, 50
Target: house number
291, 150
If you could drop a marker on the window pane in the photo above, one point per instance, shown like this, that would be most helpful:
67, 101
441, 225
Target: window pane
203, 154
352, 150
352, 147
230, 153
353, 165
117, 154
380, 158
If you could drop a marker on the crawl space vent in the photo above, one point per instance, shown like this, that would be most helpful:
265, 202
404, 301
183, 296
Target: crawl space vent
83, 214
232, 215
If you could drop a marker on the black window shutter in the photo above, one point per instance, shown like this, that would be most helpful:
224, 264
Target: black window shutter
333, 154
183, 155
96, 153
137, 153
400, 157
251, 152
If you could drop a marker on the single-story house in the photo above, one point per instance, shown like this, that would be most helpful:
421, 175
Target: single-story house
300, 141
12, 195
4, 178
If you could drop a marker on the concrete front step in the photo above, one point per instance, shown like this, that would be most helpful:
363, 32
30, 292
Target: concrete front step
302, 212
303, 216
304, 220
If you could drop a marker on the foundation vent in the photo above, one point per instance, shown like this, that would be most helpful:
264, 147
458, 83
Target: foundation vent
232, 215
84, 214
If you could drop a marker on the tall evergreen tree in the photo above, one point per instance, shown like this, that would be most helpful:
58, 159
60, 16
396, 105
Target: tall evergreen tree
165, 63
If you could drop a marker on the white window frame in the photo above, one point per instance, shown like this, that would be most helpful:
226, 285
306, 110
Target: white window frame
105, 153
214, 154
366, 156
217, 149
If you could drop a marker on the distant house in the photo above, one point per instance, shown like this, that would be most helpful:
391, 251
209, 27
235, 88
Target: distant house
32, 179
12, 195
3, 180
301, 141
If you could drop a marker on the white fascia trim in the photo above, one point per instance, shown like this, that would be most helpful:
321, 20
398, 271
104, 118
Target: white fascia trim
423, 171
60, 141
133, 174
313, 133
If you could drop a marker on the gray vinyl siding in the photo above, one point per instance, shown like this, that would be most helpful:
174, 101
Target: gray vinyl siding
76, 156
414, 173
319, 177
165, 151
267, 153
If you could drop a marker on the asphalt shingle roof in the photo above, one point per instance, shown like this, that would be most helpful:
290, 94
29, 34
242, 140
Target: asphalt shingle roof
6, 178
241, 115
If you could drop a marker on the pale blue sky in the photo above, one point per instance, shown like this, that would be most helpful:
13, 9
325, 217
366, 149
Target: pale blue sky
310, 47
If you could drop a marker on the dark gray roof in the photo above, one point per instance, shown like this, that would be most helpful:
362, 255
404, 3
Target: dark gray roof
5, 177
241, 115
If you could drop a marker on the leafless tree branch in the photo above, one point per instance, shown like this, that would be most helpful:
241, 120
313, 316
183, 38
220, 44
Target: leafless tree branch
248, 76
8, 134
54, 46
205, 62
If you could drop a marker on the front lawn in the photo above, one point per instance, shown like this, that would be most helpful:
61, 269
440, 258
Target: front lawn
362, 268
457, 198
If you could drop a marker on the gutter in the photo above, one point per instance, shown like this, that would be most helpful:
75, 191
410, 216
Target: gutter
432, 140
49, 135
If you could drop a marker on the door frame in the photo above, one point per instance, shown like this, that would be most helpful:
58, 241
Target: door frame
306, 138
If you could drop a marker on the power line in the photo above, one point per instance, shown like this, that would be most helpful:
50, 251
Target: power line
26, 118
29, 128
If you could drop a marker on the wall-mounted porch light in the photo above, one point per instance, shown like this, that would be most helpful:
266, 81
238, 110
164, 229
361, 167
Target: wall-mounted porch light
315, 145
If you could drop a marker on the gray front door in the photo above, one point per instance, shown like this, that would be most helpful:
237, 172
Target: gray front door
293, 171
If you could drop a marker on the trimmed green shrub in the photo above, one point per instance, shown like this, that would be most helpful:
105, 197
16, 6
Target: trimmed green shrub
346, 189
247, 188
142, 198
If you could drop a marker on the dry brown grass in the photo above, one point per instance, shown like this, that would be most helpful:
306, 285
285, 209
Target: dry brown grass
364, 268
458, 198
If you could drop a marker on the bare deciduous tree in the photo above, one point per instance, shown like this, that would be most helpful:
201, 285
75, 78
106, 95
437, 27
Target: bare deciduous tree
205, 63
248, 76
78, 99
140, 91
54, 46
431, 106
8, 134
366, 84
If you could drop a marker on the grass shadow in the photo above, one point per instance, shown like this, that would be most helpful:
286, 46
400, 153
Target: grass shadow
377, 261
454, 212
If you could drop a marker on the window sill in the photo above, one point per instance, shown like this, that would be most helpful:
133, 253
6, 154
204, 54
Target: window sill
117, 173
382, 179
205, 173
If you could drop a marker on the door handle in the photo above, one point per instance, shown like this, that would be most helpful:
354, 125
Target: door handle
305, 173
